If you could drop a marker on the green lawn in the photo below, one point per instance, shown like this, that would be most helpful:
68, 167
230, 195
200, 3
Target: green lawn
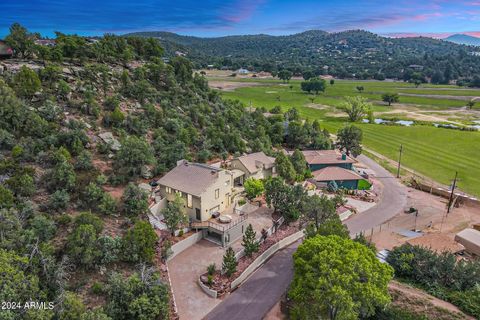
433, 152
272, 92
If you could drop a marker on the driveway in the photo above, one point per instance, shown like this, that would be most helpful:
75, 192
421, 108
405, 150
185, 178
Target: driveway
392, 200
263, 289
184, 269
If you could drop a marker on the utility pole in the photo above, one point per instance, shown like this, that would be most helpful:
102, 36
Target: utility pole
399, 161
451, 193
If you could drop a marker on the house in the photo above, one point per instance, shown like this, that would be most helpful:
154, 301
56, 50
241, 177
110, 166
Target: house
5, 50
470, 239
257, 165
344, 178
416, 67
319, 159
242, 71
46, 42
205, 189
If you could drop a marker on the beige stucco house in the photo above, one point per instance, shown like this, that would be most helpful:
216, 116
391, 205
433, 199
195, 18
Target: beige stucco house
257, 165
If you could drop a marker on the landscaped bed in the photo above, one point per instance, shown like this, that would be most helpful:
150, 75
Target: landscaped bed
222, 283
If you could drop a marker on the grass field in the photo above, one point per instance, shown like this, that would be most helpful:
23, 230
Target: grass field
272, 92
433, 152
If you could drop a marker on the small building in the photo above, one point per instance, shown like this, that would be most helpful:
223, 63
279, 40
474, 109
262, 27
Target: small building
437, 242
319, 159
416, 67
344, 178
46, 42
5, 50
243, 71
257, 165
205, 189
470, 239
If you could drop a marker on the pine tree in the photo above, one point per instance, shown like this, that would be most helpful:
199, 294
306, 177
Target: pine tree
249, 242
229, 265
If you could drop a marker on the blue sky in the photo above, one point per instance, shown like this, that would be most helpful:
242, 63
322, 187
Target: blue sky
437, 18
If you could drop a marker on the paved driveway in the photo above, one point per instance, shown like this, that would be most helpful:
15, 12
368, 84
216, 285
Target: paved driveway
261, 291
184, 269
392, 200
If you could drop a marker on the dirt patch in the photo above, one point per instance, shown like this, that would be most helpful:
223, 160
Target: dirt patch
232, 85
420, 302
431, 218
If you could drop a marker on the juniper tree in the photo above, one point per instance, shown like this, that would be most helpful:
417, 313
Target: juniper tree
249, 241
229, 265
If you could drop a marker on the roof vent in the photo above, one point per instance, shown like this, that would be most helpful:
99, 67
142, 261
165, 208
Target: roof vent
344, 156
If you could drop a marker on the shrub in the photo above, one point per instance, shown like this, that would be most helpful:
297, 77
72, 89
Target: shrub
211, 268
97, 288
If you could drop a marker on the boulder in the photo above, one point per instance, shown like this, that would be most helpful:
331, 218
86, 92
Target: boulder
109, 139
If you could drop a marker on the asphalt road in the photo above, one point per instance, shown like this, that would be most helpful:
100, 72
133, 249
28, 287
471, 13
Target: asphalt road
392, 200
264, 288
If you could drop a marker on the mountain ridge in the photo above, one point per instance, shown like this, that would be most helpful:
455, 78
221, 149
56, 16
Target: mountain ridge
464, 39
347, 54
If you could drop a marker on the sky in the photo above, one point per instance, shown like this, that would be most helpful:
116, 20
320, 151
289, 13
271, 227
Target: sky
211, 18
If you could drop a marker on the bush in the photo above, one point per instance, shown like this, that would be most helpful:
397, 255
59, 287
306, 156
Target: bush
211, 268
97, 288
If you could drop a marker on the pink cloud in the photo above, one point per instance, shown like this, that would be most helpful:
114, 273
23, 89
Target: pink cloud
242, 10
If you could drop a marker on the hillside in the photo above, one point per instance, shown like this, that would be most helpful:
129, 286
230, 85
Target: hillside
464, 39
354, 53
81, 126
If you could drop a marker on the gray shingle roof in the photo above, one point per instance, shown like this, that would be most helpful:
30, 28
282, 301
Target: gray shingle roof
192, 178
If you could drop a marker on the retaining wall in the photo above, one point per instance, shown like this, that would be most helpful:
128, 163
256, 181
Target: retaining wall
207, 290
185, 244
265, 256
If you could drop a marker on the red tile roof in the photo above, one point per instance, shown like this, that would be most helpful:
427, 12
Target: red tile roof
335, 173
325, 157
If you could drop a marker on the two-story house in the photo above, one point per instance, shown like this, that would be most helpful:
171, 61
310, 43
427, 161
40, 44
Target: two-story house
205, 189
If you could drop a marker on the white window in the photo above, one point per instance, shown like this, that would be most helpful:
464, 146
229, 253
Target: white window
217, 193
189, 201
168, 190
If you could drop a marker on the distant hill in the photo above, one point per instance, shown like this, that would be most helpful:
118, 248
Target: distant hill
354, 53
464, 39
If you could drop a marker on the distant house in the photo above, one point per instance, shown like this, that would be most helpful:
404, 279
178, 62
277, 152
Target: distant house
416, 67
180, 53
319, 159
470, 239
243, 71
344, 178
205, 189
5, 50
257, 165
46, 42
